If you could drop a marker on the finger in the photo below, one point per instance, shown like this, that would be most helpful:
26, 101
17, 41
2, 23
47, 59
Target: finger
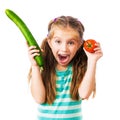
32, 47
26, 43
98, 50
98, 47
97, 44
35, 54
42, 50
33, 51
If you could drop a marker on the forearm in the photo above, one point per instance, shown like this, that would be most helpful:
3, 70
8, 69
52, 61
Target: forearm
88, 83
37, 86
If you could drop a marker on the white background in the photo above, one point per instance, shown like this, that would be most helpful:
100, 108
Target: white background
101, 19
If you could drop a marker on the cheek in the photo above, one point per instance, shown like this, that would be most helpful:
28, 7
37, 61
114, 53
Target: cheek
54, 50
75, 49
53, 45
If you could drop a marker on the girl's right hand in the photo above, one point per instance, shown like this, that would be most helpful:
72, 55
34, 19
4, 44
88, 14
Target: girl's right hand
32, 52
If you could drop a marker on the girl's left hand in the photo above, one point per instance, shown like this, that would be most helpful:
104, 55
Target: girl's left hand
96, 55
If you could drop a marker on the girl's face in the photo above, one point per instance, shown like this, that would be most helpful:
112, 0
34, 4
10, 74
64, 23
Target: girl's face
64, 45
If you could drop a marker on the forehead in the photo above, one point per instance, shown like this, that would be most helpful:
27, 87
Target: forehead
65, 32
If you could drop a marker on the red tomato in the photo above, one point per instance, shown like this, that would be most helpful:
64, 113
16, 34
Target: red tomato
89, 45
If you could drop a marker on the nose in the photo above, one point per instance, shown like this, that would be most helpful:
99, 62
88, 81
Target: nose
64, 47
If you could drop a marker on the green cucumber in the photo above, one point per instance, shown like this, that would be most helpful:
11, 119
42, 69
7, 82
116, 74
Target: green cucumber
26, 32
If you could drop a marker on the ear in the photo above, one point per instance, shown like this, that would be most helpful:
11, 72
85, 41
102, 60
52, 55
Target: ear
49, 42
81, 42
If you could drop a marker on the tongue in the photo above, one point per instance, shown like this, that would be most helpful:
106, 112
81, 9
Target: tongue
63, 57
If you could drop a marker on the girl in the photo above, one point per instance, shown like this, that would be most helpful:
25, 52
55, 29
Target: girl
68, 76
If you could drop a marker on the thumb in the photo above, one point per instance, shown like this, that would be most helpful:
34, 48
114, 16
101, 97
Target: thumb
27, 44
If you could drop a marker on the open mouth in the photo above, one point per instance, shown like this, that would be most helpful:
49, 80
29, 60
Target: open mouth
63, 58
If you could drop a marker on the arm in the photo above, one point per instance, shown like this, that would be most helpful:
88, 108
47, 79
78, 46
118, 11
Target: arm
37, 86
88, 83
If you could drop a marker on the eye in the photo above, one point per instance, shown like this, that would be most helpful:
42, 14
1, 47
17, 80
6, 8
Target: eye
71, 43
57, 41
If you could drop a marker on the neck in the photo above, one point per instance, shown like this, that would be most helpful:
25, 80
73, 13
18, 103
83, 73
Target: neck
61, 67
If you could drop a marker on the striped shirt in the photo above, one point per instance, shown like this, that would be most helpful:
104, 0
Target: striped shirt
63, 108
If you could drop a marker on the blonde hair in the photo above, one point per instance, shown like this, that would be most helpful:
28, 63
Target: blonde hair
79, 61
